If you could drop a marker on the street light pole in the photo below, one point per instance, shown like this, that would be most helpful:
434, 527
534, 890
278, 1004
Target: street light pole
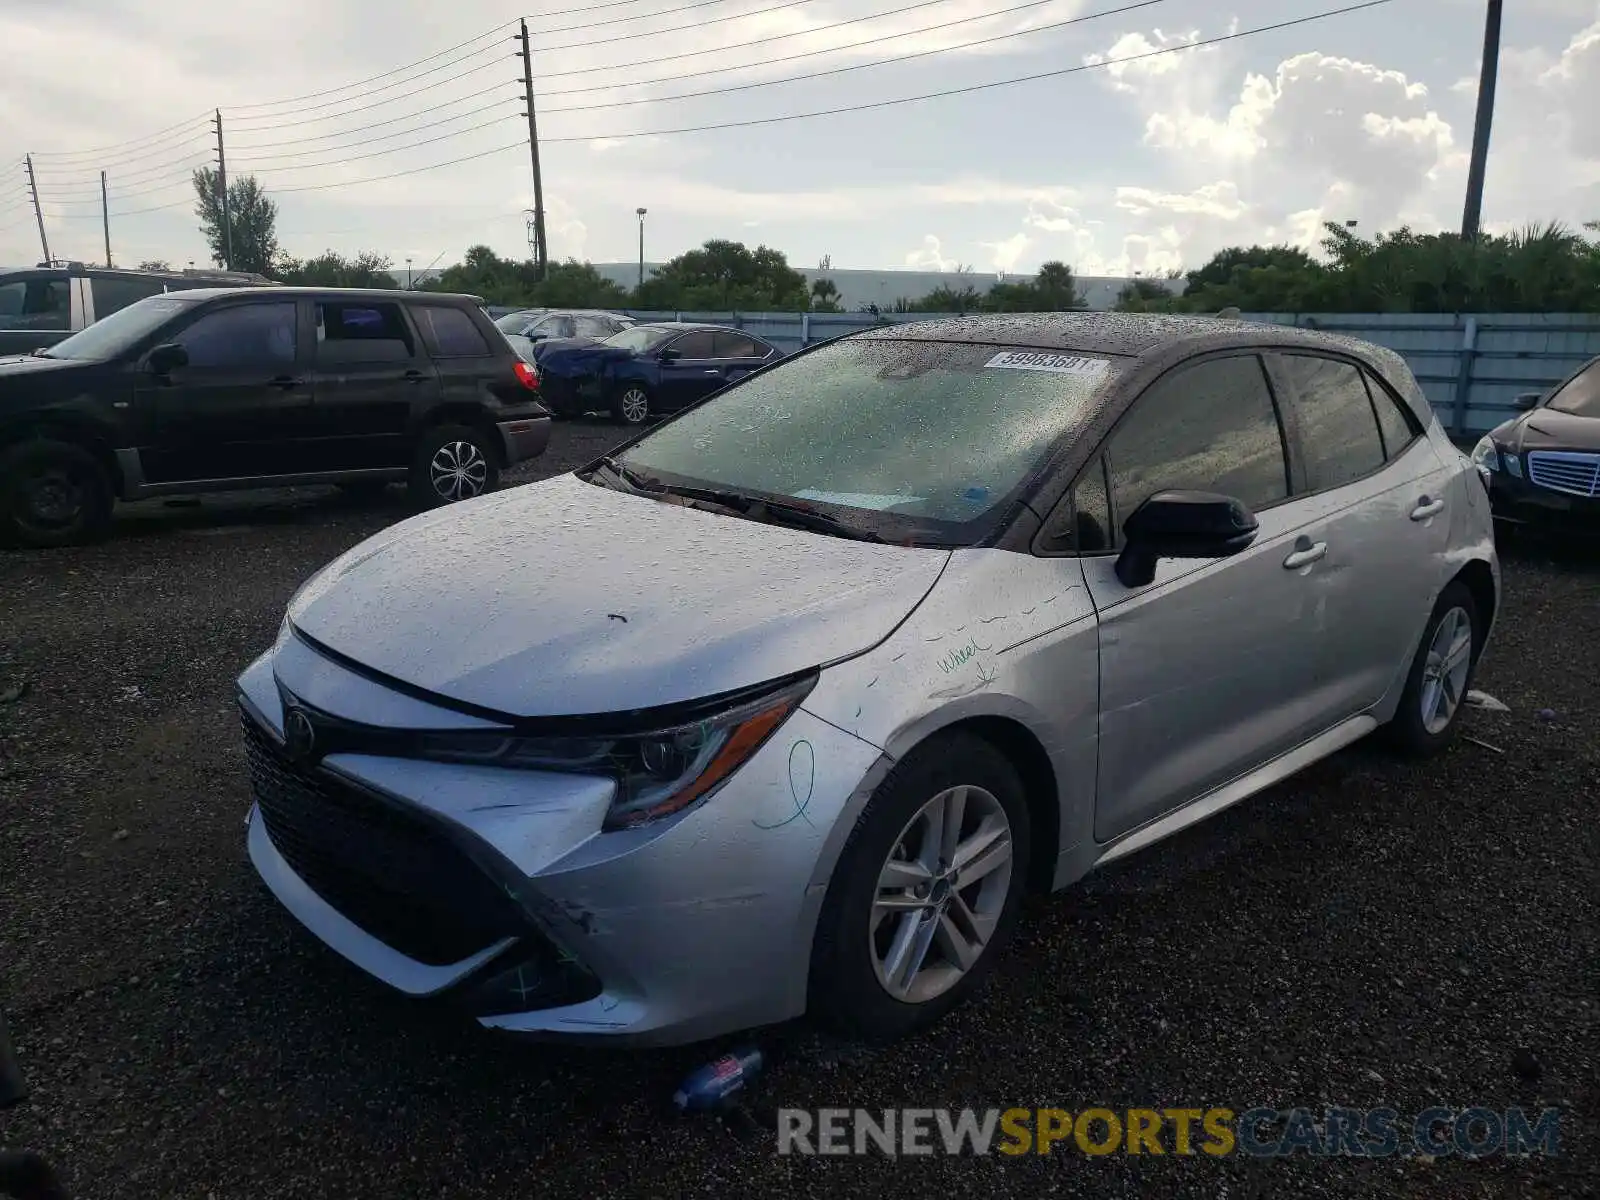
409, 285
641, 213
1487, 74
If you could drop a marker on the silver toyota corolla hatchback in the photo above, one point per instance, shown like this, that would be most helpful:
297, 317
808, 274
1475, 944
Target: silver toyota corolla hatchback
782, 706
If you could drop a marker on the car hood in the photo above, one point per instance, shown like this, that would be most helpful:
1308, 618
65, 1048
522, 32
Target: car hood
1547, 429
563, 598
31, 364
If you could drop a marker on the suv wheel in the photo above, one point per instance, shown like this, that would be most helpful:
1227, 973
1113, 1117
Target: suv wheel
52, 494
926, 892
453, 462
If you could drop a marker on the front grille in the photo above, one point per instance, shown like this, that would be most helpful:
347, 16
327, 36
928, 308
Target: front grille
1565, 471
387, 871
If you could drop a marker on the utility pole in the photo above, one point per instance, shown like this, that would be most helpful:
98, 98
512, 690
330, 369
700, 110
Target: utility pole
640, 212
222, 189
1487, 75
38, 213
105, 216
541, 253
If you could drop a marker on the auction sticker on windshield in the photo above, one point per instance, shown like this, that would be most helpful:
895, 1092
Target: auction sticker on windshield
1060, 364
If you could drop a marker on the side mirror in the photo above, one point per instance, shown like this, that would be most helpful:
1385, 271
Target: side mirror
1182, 525
1527, 400
166, 358
671, 355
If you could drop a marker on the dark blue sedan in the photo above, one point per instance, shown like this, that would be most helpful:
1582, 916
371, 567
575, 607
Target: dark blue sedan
654, 368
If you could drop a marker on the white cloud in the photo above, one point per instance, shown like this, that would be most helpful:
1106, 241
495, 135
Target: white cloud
930, 256
1006, 254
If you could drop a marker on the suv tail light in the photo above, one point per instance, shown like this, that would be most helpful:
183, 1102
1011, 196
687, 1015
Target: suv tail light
527, 376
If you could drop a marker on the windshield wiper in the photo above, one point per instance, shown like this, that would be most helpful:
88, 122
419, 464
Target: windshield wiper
776, 512
635, 481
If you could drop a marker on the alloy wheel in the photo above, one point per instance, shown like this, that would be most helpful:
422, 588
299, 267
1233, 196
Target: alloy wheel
940, 894
635, 406
458, 471
1444, 674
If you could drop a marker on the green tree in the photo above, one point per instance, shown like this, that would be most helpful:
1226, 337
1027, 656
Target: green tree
155, 264
825, 295
723, 275
1144, 295
947, 299
252, 217
332, 269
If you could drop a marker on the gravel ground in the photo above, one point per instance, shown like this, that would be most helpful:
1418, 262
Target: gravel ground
1370, 934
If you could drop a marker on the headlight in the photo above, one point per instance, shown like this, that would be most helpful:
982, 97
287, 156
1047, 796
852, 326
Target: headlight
658, 772
1486, 455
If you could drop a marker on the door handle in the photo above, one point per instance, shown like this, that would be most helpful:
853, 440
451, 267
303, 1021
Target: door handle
1427, 508
713, 371
413, 376
1305, 553
286, 382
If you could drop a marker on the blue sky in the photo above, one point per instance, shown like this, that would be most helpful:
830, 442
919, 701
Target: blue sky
1147, 165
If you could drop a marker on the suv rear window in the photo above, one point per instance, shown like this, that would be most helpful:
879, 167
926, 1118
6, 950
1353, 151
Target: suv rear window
112, 293
450, 332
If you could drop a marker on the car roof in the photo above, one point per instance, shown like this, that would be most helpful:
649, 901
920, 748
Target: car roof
694, 326
1155, 342
254, 293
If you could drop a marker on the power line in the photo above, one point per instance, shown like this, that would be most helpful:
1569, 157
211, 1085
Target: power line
977, 87
761, 41
496, 32
882, 62
345, 158
421, 112
118, 147
495, 62
183, 167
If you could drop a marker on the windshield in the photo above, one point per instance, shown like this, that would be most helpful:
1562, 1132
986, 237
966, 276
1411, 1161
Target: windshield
514, 322
639, 338
108, 338
1581, 397
925, 441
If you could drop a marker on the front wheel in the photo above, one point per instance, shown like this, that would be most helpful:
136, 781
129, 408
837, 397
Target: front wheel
453, 462
52, 494
1441, 674
632, 404
926, 893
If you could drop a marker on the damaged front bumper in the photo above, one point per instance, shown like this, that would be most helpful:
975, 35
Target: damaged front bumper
494, 889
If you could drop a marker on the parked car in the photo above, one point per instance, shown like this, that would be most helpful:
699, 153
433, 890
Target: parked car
829, 670
40, 306
1543, 467
659, 367
227, 388
526, 329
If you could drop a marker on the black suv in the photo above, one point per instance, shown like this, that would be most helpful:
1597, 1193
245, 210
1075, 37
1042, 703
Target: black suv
229, 388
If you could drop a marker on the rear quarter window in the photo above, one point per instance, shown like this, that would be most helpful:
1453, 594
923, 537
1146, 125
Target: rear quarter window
450, 332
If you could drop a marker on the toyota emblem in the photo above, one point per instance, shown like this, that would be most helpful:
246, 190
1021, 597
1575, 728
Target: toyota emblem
299, 737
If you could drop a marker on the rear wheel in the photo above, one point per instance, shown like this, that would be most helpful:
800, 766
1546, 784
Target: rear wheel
453, 462
52, 494
1441, 674
631, 405
926, 892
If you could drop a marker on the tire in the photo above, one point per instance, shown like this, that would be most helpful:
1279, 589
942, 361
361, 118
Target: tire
52, 494
1426, 722
847, 990
453, 462
631, 404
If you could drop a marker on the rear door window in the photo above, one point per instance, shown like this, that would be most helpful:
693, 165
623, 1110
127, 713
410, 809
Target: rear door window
736, 345
361, 332
450, 332
699, 344
112, 293
1338, 426
37, 302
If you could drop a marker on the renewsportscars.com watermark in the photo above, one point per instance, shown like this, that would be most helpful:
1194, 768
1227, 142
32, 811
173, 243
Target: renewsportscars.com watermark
1217, 1132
